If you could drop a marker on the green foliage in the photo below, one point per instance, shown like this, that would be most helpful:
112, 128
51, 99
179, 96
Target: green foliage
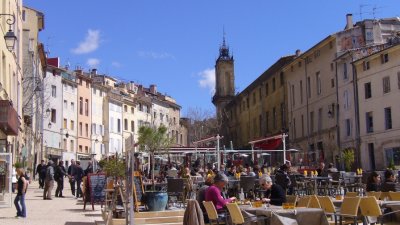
114, 167
348, 157
152, 139
18, 165
391, 165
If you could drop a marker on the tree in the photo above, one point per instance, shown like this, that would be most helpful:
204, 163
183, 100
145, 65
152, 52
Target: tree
154, 140
202, 123
348, 157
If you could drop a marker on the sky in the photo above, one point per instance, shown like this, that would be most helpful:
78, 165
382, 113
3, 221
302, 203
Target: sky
174, 43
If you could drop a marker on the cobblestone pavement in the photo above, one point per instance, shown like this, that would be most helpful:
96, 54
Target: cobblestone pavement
59, 211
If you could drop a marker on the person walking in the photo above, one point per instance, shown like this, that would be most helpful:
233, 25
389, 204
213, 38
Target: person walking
89, 168
78, 174
22, 186
59, 175
71, 170
48, 181
41, 171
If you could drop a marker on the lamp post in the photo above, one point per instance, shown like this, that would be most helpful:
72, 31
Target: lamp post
10, 37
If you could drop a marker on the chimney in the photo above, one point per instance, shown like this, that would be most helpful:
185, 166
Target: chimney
298, 52
153, 89
94, 72
349, 21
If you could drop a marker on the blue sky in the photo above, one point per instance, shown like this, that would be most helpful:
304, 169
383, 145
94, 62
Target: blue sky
174, 43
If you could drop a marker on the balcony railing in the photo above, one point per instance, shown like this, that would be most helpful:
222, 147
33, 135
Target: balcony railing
9, 122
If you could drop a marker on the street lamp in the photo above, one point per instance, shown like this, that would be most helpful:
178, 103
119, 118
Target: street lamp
10, 37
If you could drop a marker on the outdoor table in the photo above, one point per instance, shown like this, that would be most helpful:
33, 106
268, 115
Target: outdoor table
316, 179
303, 216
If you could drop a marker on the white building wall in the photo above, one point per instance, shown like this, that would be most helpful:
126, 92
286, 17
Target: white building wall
115, 128
98, 147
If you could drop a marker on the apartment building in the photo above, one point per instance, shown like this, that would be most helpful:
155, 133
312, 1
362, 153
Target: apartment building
84, 115
99, 92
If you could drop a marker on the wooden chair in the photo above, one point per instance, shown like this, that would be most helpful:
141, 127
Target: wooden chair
212, 213
303, 202
349, 209
385, 195
291, 199
237, 216
328, 207
376, 194
394, 196
351, 194
370, 208
313, 202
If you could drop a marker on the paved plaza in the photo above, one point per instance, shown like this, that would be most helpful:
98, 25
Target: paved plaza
59, 211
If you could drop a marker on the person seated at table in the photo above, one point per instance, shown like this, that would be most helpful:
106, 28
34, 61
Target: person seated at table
213, 193
322, 172
201, 196
390, 182
374, 182
275, 194
332, 168
282, 177
232, 171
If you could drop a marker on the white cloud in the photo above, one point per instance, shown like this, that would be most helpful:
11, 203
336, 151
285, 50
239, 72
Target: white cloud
90, 44
93, 62
155, 55
207, 79
116, 64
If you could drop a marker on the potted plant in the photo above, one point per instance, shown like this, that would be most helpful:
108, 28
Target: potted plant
153, 140
348, 158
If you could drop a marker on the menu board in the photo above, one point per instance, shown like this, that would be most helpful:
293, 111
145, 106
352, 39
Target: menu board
137, 188
97, 185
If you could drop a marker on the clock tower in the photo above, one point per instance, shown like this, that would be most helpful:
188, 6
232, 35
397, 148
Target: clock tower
224, 80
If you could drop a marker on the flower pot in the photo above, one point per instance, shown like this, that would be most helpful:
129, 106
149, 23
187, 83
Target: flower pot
156, 201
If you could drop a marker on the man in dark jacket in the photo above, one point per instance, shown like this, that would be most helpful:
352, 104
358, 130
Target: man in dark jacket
89, 168
59, 175
282, 177
41, 170
390, 183
78, 174
71, 178
275, 194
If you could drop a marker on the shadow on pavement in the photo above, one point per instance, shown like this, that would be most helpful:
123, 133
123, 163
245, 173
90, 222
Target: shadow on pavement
79, 223
93, 215
75, 210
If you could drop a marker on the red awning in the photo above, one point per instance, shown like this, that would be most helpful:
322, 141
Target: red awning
270, 144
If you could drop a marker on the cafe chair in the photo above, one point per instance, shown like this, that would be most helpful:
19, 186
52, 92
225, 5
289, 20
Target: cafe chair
212, 214
385, 195
237, 216
349, 210
291, 199
303, 202
328, 207
370, 208
394, 196
351, 194
376, 194
313, 202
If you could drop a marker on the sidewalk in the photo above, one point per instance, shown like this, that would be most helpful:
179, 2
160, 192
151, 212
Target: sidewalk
59, 211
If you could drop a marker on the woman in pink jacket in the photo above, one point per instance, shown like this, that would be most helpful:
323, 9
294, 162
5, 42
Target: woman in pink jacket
213, 193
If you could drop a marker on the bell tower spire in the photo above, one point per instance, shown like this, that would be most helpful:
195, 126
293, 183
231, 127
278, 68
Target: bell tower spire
224, 78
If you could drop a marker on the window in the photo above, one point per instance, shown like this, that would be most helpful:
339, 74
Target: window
332, 83
302, 125
273, 84
112, 124
72, 106
385, 58
293, 96
174, 121
318, 81
274, 123
332, 67
267, 121
132, 126
369, 122
254, 98
94, 91
65, 144
80, 128
388, 118
366, 65
118, 125
81, 105
86, 149
53, 115
80, 148
320, 120
346, 102
301, 92
125, 108
299, 64
65, 104
87, 130
266, 89
348, 127
132, 110
53, 91
65, 123
294, 128
386, 85
283, 118
311, 122
309, 87
71, 146
281, 79
367, 88
125, 124
260, 93
345, 71
72, 125
86, 107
